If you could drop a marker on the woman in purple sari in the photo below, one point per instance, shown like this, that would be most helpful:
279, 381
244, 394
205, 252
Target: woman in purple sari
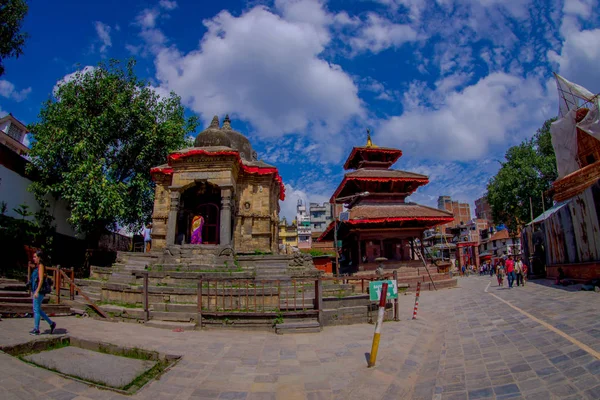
197, 224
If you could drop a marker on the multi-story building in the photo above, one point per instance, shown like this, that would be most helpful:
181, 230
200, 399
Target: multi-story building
500, 244
303, 224
321, 216
288, 234
15, 181
461, 211
13, 134
483, 210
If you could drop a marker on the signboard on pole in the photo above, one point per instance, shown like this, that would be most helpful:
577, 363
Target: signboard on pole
375, 290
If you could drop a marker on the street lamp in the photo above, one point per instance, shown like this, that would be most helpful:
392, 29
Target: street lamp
341, 200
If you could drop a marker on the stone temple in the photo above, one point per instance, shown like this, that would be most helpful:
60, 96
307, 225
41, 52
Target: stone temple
216, 196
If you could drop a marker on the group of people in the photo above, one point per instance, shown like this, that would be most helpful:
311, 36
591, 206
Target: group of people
512, 270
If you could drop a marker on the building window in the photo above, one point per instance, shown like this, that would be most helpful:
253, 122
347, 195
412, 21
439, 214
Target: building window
15, 132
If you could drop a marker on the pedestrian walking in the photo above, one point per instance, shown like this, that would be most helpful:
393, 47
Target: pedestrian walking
524, 273
510, 271
500, 274
147, 238
519, 272
39, 287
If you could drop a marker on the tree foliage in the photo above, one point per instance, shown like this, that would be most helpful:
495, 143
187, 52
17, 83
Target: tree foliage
12, 40
96, 140
528, 172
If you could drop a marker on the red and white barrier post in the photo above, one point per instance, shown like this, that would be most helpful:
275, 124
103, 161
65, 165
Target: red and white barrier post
417, 300
378, 325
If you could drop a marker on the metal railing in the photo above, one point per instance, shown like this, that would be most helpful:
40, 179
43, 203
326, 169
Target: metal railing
259, 298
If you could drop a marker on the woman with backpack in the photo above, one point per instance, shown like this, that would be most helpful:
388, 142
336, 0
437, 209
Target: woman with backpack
39, 288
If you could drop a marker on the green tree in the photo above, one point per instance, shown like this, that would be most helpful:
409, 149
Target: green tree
12, 40
529, 170
96, 140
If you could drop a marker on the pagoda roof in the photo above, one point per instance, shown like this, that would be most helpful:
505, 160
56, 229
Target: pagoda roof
358, 154
389, 216
379, 175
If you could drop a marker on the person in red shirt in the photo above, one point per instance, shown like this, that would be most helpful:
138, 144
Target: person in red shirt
510, 271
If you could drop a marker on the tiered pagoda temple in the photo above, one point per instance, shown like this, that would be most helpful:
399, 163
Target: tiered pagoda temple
380, 222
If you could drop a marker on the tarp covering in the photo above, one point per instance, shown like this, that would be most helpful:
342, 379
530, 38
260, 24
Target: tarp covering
564, 130
564, 141
572, 96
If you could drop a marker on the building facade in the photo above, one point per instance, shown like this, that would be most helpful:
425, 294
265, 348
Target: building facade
321, 216
288, 234
304, 230
483, 210
461, 211
15, 181
499, 244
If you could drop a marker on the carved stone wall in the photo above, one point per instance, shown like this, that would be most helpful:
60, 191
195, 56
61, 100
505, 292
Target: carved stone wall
250, 200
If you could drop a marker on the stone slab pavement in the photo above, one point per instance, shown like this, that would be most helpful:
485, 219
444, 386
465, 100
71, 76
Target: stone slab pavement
465, 344
111, 370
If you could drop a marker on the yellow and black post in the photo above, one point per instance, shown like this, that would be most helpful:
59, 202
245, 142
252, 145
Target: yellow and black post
375, 346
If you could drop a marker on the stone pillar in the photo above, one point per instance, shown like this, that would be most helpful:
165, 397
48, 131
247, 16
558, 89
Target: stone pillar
225, 220
172, 219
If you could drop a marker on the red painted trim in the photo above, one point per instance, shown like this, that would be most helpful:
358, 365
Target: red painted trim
422, 181
246, 168
467, 244
355, 150
439, 220
397, 219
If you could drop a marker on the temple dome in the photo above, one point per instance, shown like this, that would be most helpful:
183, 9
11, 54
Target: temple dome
225, 136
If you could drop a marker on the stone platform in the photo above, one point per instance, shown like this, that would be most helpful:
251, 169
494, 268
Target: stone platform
110, 370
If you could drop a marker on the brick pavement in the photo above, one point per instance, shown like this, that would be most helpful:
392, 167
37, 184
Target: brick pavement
465, 344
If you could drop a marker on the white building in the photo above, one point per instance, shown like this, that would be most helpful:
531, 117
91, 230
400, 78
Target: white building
14, 182
304, 229
500, 244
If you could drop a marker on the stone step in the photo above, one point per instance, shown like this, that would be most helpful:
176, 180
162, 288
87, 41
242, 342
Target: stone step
26, 300
173, 325
89, 283
174, 307
14, 293
13, 287
22, 308
311, 326
173, 316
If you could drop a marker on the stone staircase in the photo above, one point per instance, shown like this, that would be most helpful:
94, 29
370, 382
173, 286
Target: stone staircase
15, 300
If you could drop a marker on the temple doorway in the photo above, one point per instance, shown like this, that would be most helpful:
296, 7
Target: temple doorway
199, 213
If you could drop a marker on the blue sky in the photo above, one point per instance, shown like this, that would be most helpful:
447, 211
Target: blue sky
453, 83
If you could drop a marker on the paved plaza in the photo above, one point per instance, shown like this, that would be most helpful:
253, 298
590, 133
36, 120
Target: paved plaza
467, 343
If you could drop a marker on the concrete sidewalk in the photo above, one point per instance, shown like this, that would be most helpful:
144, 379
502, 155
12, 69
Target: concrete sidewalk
465, 344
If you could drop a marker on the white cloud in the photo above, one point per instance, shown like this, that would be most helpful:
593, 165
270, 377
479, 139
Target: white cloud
8, 90
168, 5
578, 58
497, 110
266, 69
292, 195
69, 77
147, 18
378, 34
103, 32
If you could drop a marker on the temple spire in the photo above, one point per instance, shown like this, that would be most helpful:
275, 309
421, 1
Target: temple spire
226, 123
214, 123
369, 141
